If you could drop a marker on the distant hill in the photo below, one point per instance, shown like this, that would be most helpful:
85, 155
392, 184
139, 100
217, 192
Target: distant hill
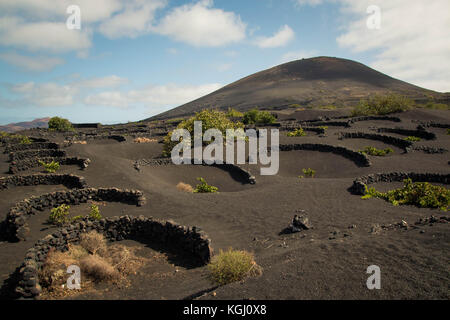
307, 82
14, 127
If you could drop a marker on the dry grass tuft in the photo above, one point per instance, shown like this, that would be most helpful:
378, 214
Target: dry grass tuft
233, 265
98, 268
93, 242
185, 187
144, 140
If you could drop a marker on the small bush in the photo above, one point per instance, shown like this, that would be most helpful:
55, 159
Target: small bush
420, 194
59, 215
93, 242
50, 167
297, 133
60, 124
233, 265
233, 113
436, 106
382, 105
95, 213
185, 187
255, 116
309, 172
25, 140
412, 139
448, 131
97, 268
372, 151
204, 187
211, 119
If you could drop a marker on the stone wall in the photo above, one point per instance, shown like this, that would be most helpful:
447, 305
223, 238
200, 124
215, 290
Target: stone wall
69, 180
244, 175
360, 159
359, 184
173, 237
401, 143
416, 133
41, 153
15, 224
31, 146
26, 164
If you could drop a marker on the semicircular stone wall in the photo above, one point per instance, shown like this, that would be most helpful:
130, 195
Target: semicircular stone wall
171, 236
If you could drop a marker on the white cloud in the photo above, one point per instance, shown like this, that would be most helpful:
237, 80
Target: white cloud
279, 39
42, 36
46, 94
201, 25
154, 96
309, 2
135, 20
91, 11
31, 63
413, 43
296, 55
102, 82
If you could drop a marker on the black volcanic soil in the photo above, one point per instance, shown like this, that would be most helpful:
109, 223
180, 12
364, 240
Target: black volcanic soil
326, 262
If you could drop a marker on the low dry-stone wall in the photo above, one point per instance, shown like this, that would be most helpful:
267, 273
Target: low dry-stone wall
26, 164
433, 124
359, 158
30, 146
371, 118
15, 224
173, 237
246, 176
401, 143
430, 150
69, 180
41, 153
416, 133
359, 184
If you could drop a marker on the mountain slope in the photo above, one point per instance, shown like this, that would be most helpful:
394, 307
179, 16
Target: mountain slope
19, 126
314, 82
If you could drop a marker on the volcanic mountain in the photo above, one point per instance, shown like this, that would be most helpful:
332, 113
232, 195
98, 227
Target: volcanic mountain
19, 126
307, 82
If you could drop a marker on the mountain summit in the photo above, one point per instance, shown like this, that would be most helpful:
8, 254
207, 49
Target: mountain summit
307, 82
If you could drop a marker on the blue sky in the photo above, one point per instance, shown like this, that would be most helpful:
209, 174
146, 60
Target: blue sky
134, 59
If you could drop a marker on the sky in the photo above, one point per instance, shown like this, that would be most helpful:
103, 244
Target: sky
132, 59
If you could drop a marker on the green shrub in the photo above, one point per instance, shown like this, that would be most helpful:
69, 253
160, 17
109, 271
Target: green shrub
297, 133
95, 213
328, 107
448, 131
412, 139
25, 140
204, 187
255, 116
210, 119
233, 113
50, 167
233, 265
309, 172
436, 106
372, 151
381, 105
420, 194
60, 124
59, 215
